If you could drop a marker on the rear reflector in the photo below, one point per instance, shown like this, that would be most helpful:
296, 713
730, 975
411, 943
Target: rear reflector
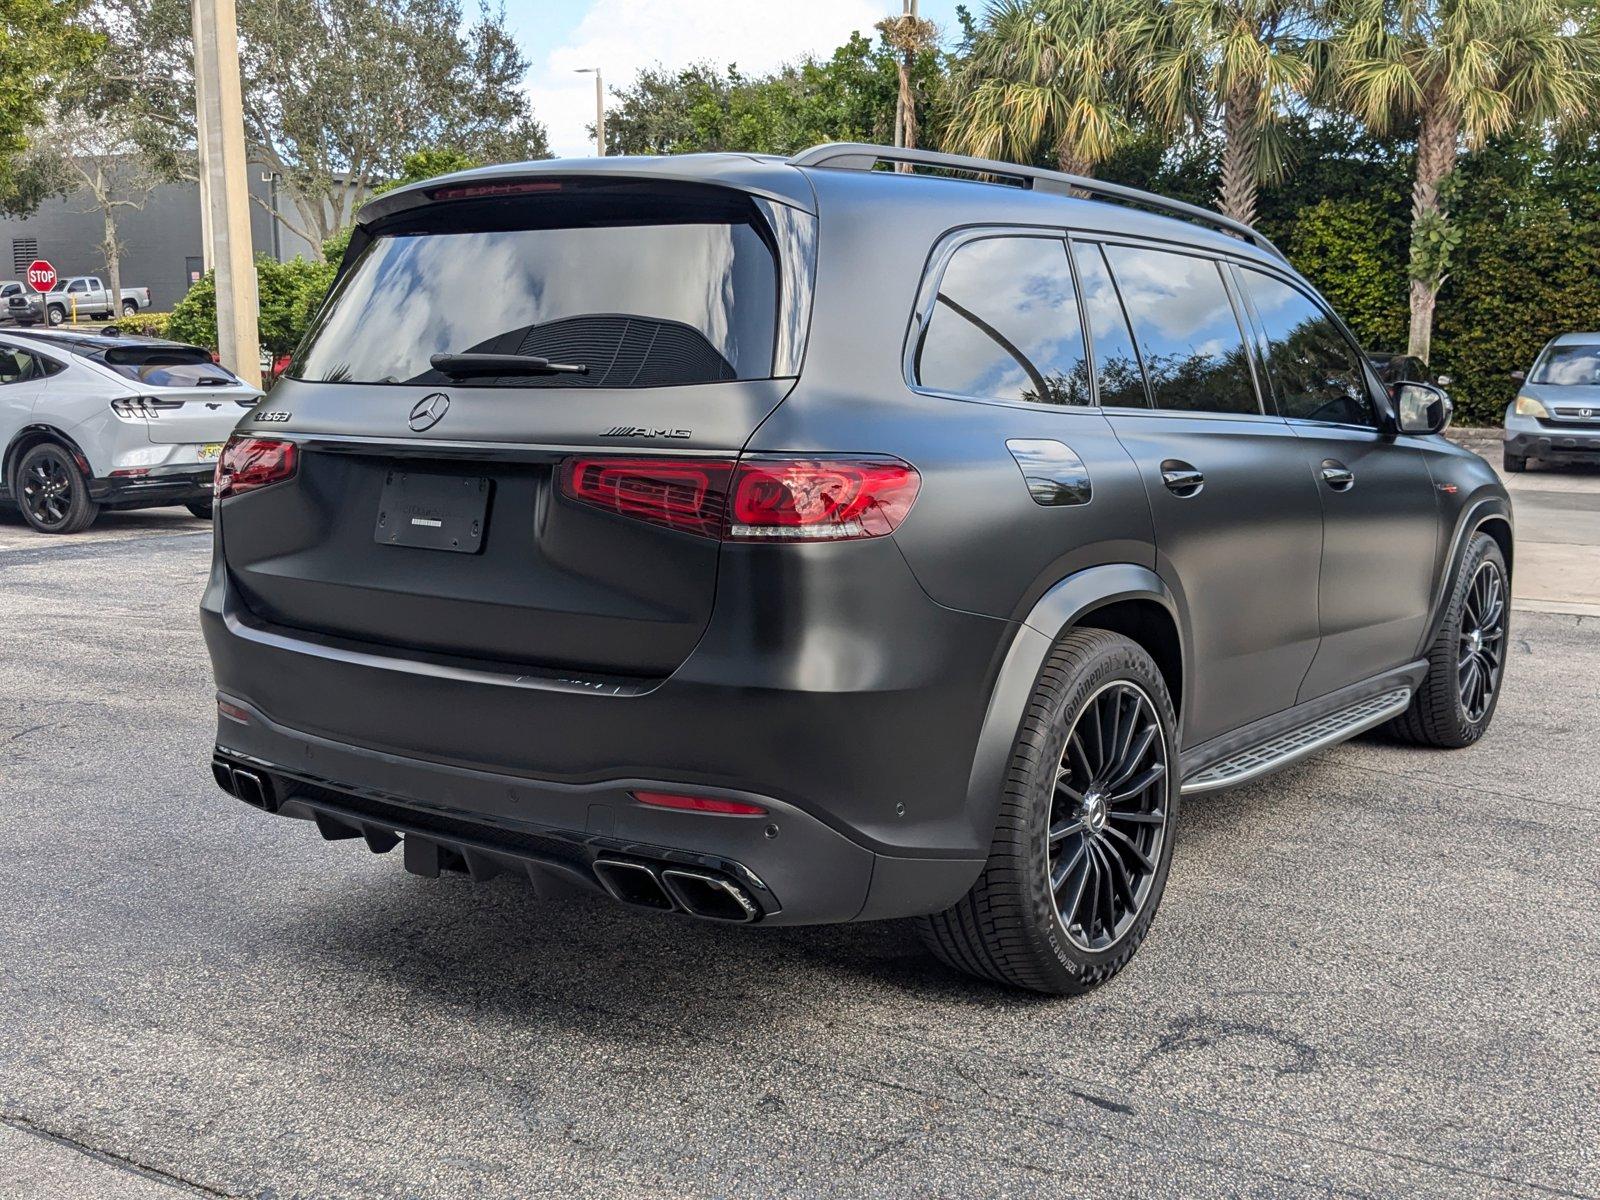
759, 499
249, 463
233, 712
705, 804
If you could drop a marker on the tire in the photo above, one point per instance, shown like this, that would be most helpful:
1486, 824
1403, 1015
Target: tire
200, 508
129, 308
1009, 927
55, 315
52, 492
1450, 709
1513, 463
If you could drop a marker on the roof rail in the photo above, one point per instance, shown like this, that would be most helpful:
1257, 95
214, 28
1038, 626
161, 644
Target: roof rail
859, 156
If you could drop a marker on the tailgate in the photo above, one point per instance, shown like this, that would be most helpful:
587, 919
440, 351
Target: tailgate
470, 364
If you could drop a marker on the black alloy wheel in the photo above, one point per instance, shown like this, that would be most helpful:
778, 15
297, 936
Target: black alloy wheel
1109, 819
1085, 831
52, 492
1482, 641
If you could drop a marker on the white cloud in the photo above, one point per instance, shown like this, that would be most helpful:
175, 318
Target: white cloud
623, 36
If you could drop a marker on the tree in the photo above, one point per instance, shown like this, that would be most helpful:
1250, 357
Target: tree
94, 151
414, 168
291, 293
1461, 71
336, 92
908, 35
1047, 77
1235, 64
850, 96
40, 42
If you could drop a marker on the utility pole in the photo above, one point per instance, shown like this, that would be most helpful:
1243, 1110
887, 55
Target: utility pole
599, 108
226, 190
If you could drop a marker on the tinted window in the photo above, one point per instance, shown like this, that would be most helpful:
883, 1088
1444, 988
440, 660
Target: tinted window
1572, 364
1005, 325
18, 366
1316, 374
1194, 355
165, 366
641, 305
1116, 362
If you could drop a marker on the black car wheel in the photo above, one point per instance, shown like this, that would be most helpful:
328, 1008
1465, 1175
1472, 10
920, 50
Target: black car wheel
1084, 840
200, 508
1513, 462
52, 492
1466, 663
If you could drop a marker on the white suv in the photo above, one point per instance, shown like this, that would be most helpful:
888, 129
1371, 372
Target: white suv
92, 421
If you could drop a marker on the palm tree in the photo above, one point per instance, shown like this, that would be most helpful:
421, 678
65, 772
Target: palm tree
1463, 71
908, 35
1046, 76
1233, 63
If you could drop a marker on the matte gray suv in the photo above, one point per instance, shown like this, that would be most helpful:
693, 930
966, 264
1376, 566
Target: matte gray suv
792, 541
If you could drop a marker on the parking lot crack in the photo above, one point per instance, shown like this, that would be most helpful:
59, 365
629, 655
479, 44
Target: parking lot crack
111, 1158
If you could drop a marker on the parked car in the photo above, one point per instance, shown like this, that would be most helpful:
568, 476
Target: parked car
8, 289
74, 298
793, 541
89, 422
1556, 414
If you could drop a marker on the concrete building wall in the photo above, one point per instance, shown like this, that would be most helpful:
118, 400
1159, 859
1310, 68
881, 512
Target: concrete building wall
161, 241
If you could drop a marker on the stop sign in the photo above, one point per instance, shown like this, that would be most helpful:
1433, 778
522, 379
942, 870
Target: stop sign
41, 275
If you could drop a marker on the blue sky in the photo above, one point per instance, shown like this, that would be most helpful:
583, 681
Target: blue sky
621, 36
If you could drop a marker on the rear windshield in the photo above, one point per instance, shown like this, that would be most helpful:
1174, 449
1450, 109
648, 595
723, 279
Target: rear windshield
1572, 364
638, 292
165, 366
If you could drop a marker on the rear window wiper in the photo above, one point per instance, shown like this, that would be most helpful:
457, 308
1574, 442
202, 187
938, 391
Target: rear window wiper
463, 366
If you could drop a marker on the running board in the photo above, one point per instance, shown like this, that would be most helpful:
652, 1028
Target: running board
1286, 748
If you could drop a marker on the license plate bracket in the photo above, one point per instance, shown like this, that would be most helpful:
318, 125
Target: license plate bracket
433, 512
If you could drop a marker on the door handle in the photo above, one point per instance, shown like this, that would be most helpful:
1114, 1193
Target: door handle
1337, 476
1181, 478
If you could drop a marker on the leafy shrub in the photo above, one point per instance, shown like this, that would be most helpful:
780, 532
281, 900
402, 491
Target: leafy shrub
289, 293
145, 324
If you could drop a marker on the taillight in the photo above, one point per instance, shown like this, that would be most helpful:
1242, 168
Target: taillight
249, 463
811, 500
688, 494
766, 498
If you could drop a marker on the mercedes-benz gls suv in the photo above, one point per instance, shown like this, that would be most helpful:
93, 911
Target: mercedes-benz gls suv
792, 541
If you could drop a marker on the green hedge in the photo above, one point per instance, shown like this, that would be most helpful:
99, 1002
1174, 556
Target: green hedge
290, 294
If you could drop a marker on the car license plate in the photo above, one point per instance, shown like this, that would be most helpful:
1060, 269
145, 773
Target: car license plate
433, 512
211, 453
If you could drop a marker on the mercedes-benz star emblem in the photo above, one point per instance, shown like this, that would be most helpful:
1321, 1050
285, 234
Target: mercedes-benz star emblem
426, 413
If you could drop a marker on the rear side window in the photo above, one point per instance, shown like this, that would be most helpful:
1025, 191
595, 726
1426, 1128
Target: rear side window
1194, 354
1005, 325
640, 290
1316, 373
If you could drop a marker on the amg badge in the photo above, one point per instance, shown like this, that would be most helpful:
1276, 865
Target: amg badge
268, 417
635, 431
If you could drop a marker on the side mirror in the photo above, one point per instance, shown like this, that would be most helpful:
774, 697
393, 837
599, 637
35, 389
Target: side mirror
1445, 381
1421, 408
1520, 376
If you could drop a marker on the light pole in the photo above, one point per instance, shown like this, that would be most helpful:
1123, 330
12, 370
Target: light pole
226, 193
599, 108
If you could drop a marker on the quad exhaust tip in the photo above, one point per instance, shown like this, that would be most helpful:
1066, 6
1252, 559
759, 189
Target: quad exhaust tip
253, 788
698, 893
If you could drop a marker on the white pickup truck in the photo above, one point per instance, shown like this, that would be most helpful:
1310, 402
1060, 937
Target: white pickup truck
75, 297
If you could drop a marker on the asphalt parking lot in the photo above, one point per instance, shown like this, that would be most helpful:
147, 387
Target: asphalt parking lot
1373, 974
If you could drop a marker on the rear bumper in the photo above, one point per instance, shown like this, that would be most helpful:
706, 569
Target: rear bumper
857, 735
161, 485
